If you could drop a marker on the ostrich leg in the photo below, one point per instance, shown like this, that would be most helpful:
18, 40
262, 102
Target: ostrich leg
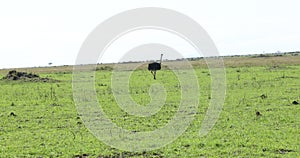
154, 74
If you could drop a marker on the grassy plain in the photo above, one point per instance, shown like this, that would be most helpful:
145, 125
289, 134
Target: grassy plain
39, 119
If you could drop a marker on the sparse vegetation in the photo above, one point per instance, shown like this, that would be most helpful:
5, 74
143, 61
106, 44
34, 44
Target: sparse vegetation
260, 117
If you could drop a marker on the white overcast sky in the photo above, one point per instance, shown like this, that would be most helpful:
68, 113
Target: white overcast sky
35, 32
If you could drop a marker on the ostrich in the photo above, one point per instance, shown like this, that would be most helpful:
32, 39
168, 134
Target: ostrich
155, 66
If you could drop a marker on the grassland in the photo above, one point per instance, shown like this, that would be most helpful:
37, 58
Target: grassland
39, 119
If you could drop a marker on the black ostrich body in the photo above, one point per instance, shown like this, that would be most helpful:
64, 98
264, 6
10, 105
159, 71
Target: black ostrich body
153, 67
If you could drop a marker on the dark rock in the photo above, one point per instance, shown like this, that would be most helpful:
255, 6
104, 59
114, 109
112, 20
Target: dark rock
258, 113
263, 96
295, 102
12, 114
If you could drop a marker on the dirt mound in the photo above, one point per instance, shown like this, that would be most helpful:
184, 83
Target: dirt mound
15, 75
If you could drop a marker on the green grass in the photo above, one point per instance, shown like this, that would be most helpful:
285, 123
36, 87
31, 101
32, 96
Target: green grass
39, 119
